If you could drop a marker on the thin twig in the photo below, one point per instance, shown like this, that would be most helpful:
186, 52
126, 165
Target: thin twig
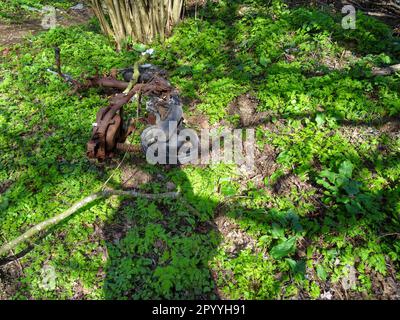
389, 234
105, 183
387, 71
62, 216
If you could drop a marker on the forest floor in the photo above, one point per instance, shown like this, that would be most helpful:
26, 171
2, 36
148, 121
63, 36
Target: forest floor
12, 32
317, 218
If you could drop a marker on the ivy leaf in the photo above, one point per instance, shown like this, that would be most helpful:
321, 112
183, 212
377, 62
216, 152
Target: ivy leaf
284, 248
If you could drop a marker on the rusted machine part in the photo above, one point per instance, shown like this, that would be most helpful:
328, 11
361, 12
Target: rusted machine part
163, 106
108, 129
107, 82
126, 147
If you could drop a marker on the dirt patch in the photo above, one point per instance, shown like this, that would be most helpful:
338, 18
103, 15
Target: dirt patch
383, 288
265, 165
266, 161
197, 121
285, 183
80, 292
72, 17
234, 239
9, 284
245, 107
337, 62
118, 229
14, 33
392, 129
358, 135
10, 34
5, 185
133, 177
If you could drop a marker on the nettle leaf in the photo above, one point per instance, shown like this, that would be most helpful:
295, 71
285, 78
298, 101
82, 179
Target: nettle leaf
284, 248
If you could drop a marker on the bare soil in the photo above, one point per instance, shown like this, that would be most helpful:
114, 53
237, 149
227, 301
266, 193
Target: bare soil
14, 33
245, 106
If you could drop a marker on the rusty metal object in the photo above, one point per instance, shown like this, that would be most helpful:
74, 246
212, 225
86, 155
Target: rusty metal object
108, 129
126, 147
109, 133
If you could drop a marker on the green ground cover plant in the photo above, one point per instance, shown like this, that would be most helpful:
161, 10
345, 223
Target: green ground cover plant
323, 218
12, 11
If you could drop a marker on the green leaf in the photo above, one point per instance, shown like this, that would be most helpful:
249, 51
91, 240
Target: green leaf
321, 273
352, 187
297, 267
328, 174
264, 238
284, 248
292, 263
277, 231
264, 61
346, 169
139, 47
320, 119
228, 189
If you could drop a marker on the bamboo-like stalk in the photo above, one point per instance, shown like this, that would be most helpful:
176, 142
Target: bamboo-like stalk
141, 20
105, 27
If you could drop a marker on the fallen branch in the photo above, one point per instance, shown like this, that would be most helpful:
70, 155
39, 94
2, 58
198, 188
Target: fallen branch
386, 71
62, 216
